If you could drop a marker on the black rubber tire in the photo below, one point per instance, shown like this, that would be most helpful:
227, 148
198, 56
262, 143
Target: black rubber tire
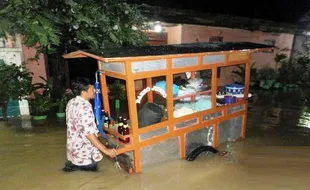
196, 152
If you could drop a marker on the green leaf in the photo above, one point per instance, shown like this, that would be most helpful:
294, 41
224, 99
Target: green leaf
113, 37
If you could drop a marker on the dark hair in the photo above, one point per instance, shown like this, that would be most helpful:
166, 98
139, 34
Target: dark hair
80, 84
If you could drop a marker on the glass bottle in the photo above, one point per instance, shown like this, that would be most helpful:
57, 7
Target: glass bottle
106, 121
103, 115
110, 123
120, 127
126, 131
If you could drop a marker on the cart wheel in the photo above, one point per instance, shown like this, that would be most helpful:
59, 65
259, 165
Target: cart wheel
195, 153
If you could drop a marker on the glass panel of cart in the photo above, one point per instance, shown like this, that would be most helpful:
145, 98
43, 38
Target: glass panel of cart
117, 98
230, 86
151, 101
192, 92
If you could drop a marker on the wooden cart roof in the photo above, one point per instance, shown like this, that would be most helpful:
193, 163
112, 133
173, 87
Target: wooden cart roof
162, 51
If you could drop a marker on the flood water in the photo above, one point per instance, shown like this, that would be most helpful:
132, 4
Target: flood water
275, 155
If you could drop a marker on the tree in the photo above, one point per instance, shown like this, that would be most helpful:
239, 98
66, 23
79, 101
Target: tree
15, 83
60, 26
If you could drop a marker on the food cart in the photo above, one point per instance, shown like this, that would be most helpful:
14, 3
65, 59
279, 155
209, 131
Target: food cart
182, 80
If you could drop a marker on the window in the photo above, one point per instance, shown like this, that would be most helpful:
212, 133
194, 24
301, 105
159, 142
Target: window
269, 42
215, 39
157, 38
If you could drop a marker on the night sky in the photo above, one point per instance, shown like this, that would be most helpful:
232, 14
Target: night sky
289, 11
276, 10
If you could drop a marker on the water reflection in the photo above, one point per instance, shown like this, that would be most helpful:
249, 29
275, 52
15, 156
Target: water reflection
28, 126
304, 119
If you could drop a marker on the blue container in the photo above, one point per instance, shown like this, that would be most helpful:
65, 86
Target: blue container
234, 88
162, 85
230, 99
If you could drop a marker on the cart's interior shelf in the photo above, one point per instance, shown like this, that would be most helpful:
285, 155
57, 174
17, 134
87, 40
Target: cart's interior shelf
236, 95
112, 131
207, 92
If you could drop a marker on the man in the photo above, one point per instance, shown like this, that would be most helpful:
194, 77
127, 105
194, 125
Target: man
83, 145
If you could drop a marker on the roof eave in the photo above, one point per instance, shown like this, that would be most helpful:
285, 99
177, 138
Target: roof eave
82, 54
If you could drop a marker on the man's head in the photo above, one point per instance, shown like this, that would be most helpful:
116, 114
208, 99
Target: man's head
82, 87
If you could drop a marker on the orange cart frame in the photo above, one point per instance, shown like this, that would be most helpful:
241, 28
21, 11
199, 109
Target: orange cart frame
206, 60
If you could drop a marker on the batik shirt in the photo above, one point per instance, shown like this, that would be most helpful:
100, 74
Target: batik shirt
80, 123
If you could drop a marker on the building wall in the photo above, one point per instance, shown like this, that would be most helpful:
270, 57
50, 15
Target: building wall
196, 33
174, 34
38, 67
156, 38
12, 53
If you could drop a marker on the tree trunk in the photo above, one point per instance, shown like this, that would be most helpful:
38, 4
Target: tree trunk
59, 73
4, 108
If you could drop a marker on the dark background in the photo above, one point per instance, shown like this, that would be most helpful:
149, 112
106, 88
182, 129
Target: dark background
276, 10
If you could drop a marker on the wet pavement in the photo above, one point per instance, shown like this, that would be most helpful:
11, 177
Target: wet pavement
275, 155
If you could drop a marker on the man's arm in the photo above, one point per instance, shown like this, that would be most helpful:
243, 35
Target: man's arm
95, 141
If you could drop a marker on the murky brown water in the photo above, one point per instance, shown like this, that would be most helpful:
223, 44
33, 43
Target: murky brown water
274, 156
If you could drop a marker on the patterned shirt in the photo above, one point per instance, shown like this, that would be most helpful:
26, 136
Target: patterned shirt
80, 123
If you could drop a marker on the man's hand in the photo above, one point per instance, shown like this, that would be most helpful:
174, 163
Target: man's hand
110, 152
94, 140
